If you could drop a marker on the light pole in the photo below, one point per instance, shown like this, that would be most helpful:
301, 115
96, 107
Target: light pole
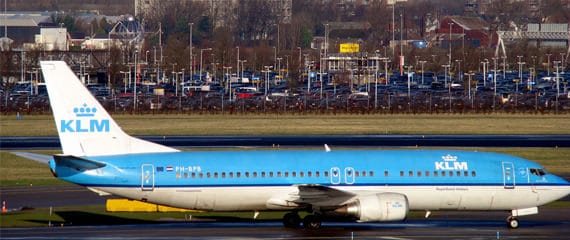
495, 84
450, 57
242, 61
237, 64
386, 60
548, 64
190, 43
135, 83
469, 78
557, 63
485, 72
445, 68
422, 63
201, 61
409, 83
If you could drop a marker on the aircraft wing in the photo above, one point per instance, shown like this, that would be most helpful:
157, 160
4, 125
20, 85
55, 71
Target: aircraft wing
41, 158
311, 194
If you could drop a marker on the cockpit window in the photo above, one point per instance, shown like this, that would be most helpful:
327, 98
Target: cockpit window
538, 171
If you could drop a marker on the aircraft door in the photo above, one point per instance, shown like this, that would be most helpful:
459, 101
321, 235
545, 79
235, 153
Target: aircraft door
349, 175
147, 177
335, 175
508, 175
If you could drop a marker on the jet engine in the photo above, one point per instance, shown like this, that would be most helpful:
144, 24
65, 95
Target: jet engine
377, 208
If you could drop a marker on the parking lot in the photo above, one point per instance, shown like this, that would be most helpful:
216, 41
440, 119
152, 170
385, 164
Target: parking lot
411, 93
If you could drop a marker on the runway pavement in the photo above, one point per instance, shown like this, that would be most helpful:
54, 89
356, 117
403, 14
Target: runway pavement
552, 223
18, 143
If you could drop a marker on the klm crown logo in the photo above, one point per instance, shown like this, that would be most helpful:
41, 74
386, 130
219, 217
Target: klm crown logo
85, 122
449, 158
84, 111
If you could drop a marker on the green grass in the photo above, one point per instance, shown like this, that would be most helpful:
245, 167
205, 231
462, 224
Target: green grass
18, 171
250, 124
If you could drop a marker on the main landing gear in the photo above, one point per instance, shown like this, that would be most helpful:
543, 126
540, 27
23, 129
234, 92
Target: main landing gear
512, 222
292, 220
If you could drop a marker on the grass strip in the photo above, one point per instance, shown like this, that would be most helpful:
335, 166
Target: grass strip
274, 124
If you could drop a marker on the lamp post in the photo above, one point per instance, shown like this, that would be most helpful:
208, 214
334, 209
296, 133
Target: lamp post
446, 67
495, 84
422, 63
450, 57
228, 81
237, 63
548, 64
242, 61
557, 65
485, 71
201, 60
386, 60
135, 83
190, 43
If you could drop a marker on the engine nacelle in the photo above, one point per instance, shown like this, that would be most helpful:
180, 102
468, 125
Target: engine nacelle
379, 207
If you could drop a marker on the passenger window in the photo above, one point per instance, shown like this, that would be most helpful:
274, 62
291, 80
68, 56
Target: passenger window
401, 173
364, 173
465, 173
326, 173
215, 175
317, 174
270, 174
443, 173
411, 173
435, 173
193, 175
246, 174
450, 173
278, 174
238, 174
231, 174
185, 175
254, 174
309, 174
223, 174
208, 174
473, 174
356, 174
263, 174
286, 174
386, 173
427, 173
458, 173
201, 175
301, 174
293, 174
419, 173
371, 173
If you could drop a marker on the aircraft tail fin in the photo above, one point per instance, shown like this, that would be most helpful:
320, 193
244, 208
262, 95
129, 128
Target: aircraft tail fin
85, 128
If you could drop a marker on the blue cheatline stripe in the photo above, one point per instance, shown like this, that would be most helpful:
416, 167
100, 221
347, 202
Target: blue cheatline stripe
326, 185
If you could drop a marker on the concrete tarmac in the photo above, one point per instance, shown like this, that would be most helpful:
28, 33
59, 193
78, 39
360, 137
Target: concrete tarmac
550, 223
466, 225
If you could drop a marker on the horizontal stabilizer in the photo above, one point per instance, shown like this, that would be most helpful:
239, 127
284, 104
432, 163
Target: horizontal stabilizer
41, 158
77, 163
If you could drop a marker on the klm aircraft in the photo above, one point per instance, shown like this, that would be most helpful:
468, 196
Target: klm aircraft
359, 185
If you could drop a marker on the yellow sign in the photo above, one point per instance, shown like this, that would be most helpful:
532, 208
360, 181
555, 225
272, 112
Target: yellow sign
349, 48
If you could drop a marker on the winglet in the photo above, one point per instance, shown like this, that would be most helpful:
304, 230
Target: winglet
85, 128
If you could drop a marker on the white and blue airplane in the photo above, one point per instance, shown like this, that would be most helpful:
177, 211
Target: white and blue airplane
360, 185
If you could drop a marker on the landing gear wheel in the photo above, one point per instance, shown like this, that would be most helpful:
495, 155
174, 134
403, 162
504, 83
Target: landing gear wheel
513, 222
312, 222
291, 220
